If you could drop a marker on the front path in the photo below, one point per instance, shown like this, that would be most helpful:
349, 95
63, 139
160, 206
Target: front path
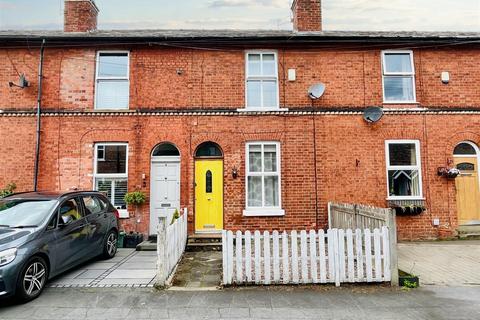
198, 270
322, 302
451, 263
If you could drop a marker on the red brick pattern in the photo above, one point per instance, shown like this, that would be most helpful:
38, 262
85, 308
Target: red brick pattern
350, 154
173, 79
80, 16
350, 160
307, 15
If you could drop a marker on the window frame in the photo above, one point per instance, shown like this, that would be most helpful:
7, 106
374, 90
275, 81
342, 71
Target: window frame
263, 211
127, 78
417, 167
261, 78
475, 147
112, 176
386, 74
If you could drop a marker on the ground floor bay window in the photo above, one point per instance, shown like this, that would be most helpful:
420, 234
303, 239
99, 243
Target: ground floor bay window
111, 173
263, 192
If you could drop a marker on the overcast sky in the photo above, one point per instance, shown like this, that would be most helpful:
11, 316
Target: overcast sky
421, 15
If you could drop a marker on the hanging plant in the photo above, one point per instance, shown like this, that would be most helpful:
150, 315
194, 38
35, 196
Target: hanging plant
135, 198
449, 173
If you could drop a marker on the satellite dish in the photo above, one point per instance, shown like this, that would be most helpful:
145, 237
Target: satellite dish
316, 91
372, 114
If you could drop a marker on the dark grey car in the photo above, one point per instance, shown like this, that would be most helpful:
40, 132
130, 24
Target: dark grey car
43, 234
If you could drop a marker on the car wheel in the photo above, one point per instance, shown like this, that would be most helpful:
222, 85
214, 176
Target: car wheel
32, 279
110, 245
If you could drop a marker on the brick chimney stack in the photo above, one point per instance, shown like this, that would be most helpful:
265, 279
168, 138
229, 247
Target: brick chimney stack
80, 16
307, 15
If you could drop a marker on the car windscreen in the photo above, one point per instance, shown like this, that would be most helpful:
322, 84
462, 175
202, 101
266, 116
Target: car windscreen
24, 213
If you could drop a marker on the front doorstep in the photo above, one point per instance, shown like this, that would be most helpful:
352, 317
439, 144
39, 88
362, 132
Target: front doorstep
469, 231
205, 242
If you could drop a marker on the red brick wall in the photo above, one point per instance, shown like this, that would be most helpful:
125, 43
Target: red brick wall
307, 15
216, 79
80, 16
341, 140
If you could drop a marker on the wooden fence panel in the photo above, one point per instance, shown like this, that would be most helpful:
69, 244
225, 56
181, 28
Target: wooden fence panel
337, 256
171, 243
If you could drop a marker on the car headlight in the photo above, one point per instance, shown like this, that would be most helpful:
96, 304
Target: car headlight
7, 256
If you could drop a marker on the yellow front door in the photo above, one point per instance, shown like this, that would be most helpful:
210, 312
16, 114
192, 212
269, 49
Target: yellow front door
208, 195
467, 188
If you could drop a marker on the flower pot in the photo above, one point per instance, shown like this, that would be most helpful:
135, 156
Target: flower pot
407, 280
132, 240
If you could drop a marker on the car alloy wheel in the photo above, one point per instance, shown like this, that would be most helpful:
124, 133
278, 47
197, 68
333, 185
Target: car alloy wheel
34, 278
112, 244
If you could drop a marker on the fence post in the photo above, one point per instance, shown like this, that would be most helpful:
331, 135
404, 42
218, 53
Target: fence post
162, 272
392, 236
355, 224
330, 217
336, 253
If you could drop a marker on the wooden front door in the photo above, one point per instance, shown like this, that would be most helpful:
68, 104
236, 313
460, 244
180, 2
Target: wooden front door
208, 195
467, 189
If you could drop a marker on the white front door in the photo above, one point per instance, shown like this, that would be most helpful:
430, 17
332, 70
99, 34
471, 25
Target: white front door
164, 193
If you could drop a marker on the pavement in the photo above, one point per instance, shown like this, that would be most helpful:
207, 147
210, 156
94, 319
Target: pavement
448, 263
320, 302
129, 268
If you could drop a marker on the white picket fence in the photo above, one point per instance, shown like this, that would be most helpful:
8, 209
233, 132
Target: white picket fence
171, 243
334, 256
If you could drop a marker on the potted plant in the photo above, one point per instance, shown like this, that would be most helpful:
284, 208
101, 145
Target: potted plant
407, 280
409, 210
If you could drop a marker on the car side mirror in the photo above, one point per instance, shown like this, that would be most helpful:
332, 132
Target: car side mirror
65, 221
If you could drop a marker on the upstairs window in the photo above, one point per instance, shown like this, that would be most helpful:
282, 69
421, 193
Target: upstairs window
398, 77
111, 172
261, 80
112, 81
403, 169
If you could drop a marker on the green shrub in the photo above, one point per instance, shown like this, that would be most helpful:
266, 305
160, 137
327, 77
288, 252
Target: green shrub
135, 198
8, 190
176, 215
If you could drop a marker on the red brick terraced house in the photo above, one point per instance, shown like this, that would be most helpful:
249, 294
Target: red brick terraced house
220, 122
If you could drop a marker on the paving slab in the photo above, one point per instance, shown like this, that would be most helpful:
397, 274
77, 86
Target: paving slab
128, 267
127, 281
361, 302
449, 263
132, 274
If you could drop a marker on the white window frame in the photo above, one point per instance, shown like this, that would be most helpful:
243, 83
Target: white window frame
417, 167
122, 212
248, 77
97, 78
263, 211
411, 74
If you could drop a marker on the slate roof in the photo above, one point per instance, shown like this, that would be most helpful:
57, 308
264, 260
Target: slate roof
237, 36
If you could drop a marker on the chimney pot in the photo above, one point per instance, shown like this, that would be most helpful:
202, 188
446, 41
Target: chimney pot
80, 16
307, 15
